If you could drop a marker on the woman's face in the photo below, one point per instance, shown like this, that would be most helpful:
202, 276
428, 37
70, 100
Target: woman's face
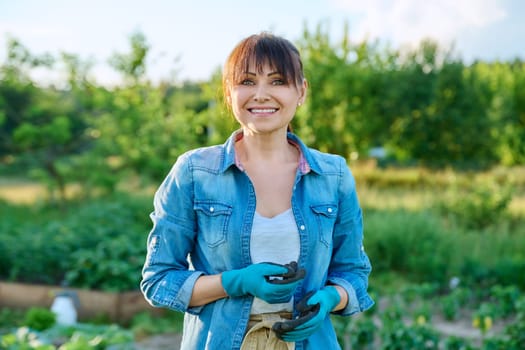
261, 101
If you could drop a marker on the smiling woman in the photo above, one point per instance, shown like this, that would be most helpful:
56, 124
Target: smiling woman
263, 82
272, 227
263, 101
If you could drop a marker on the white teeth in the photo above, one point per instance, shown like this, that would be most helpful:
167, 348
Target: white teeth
263, 110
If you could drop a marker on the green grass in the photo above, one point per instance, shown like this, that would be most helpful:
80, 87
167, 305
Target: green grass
422, 228
423, 224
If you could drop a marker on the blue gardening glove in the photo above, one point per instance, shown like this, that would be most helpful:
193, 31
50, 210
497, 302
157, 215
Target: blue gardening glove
326, 299
257, 279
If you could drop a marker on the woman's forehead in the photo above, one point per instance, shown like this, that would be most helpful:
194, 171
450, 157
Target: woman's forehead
263, 65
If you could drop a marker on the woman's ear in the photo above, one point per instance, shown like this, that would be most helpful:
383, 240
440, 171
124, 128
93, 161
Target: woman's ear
303, 90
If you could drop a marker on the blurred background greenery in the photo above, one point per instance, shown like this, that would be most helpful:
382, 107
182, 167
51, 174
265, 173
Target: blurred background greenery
443, 200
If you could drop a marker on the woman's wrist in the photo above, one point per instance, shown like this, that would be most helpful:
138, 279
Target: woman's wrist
344, 298
207, 288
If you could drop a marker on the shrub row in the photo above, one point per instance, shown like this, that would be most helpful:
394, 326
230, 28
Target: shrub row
98, 244
424, 247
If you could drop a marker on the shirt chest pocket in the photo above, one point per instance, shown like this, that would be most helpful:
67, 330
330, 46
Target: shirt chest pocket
212, 221
325, 216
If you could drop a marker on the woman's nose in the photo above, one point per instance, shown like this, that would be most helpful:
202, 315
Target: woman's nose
261, 93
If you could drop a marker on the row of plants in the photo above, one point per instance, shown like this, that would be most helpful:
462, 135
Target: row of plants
37, 329
424, 316
453, 257
410, 316
465, 231
98, 244
423, 248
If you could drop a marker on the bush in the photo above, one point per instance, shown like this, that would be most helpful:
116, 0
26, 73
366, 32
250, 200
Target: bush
476, 204
424, 248
99, 244
77, 337
145, 324
39, 319
410, 337
408, 242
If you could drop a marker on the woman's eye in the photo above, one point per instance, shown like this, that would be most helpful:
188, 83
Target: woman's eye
278, 82
247, 82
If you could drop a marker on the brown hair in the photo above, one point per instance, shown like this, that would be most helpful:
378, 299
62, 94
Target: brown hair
263, 48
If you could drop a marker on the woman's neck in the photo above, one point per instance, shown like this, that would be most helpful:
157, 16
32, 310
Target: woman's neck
262, 148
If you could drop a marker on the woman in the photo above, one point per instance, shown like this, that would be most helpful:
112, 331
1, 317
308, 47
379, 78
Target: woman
229, 219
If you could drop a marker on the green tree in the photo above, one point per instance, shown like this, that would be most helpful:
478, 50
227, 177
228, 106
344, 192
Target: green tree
132, 65
353, 96
508, 105
34, 124
17, 91
339, 115
146, 127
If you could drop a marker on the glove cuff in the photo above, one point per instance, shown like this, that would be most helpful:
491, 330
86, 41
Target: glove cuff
231, 283
333, 296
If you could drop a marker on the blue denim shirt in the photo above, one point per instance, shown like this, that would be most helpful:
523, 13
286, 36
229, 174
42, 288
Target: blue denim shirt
201, 225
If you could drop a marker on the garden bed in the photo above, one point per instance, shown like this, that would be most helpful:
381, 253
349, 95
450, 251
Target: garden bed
117, 307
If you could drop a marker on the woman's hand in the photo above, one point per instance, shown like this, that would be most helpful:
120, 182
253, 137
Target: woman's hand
257, 280
325, 301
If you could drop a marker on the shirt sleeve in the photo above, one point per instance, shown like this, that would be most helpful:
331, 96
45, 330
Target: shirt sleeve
350, 266
167, 280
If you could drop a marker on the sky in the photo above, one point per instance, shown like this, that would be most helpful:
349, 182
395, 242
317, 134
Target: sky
190, 39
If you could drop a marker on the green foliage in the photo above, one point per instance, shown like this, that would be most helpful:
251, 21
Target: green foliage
477, 204
39, 319
145, 324
142, 133
399, 323
516, 330
450, 306
506, 298
457, 343
30, 328
98, 245
363, 333
422, 105
408, 242
359, 333
41, 127
11, 318
28, 136
424, 247
403, 337
413, 292
454, 301
476, 269
483, 317
111, 265
133, 64
77, 337
23, 339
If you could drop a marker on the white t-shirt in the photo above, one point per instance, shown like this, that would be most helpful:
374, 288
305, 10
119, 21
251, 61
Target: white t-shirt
274, 240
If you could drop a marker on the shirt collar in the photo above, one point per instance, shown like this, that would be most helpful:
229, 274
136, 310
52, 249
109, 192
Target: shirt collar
303, 167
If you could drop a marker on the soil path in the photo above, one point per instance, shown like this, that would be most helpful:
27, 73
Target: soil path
160, 342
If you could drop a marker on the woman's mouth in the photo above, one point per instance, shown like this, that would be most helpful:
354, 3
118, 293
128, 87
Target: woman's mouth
262, 110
